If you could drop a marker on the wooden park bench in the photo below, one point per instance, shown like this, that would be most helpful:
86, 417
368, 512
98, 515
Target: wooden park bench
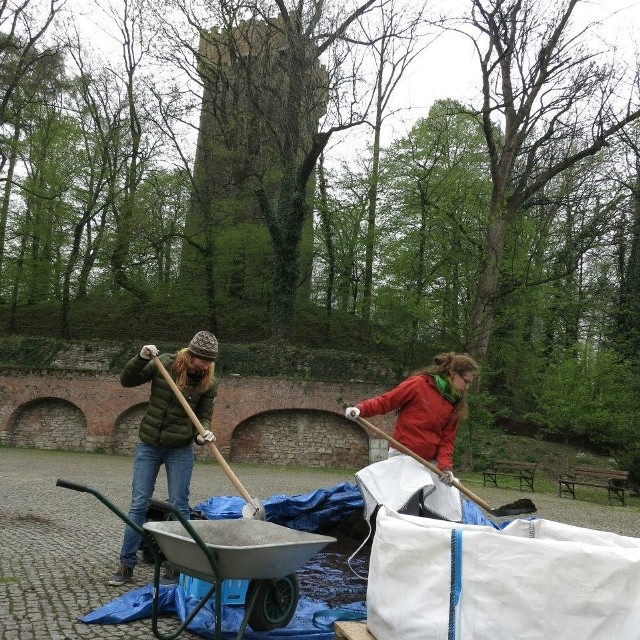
524, 471
613, 480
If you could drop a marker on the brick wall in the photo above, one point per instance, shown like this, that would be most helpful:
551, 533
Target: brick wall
287, 438
262, 420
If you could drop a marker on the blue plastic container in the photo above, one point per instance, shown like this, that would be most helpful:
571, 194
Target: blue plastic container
233, 591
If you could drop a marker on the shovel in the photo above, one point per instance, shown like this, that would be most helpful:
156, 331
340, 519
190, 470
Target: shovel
254, 509
521, 506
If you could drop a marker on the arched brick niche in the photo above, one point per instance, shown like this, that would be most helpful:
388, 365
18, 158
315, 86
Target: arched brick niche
300, 438
48, 423
125, 434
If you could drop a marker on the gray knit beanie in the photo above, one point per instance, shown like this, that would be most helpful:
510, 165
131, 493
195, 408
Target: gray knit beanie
204, 345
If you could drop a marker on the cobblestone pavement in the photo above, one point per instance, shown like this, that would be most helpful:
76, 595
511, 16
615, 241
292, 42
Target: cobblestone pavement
58, 547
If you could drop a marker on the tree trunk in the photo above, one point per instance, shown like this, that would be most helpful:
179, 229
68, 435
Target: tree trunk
481, 321
372, 202
325, 220
6, 196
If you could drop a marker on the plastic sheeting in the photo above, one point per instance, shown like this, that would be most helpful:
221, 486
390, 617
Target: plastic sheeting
307, 621
313, 512
533, 579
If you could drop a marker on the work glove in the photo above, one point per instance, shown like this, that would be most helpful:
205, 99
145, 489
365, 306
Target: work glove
352, 413
447, 477
149, 351
207, 436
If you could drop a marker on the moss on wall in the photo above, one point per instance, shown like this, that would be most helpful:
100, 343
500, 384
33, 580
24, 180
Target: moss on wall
264, 359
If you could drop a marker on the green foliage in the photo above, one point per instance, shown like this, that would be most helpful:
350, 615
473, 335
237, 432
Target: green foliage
28, 352
477, 436
589, 396
287, 361
631, 462
436, 189
243, 275
585, 458
516, 357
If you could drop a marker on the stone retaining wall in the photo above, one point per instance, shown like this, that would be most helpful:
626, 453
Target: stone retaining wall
262, 420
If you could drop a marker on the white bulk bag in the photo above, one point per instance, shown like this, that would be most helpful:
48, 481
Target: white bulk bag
438, 580
401, 480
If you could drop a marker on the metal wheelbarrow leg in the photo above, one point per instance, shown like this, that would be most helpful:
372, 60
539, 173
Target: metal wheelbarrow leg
158, 560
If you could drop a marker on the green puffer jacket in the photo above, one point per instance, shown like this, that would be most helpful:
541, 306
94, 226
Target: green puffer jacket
166, 423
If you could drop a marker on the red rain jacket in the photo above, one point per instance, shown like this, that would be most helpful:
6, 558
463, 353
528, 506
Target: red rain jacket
425, 421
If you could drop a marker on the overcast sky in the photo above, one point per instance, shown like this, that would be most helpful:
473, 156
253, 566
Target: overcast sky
447, 68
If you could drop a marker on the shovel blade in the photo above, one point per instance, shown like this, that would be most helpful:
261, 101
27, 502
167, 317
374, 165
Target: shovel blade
519, 507
254, 510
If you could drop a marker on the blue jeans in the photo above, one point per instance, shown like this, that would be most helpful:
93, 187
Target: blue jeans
147, 460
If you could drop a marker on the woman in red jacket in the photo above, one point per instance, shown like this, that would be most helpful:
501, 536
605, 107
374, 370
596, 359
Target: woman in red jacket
430, 404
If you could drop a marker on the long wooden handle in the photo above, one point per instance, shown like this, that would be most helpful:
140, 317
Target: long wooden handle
196, 423
400, 447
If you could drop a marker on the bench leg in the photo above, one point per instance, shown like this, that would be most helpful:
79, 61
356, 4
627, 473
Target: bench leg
491, 477
618, 494
526, 482
571, 490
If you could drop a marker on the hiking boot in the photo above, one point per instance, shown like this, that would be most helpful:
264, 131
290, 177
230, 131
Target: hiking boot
170, 575
123, 575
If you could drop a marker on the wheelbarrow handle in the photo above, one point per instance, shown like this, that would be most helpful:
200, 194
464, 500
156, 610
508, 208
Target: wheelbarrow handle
83, 488
67, 484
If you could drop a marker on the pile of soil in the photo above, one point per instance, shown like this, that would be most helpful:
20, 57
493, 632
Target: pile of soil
333, 575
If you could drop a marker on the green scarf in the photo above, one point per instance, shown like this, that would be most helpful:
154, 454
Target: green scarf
446, 389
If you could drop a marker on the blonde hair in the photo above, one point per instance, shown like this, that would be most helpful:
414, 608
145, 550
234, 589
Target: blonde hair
445, 365
180, 366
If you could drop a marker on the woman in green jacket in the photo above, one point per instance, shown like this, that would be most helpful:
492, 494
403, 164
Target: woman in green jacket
167, 433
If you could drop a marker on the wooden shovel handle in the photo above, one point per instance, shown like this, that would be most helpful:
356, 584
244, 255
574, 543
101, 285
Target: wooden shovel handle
400, 447
196, 423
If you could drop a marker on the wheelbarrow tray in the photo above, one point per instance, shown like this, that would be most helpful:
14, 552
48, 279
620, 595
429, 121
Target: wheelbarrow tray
243, 549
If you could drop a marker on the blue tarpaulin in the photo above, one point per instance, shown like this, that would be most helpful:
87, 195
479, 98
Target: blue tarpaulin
136, 605
314, 512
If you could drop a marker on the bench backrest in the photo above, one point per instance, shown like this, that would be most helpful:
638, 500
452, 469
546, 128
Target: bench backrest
511, 464
601, 473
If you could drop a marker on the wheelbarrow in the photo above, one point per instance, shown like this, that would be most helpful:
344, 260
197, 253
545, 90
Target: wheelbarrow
264, 553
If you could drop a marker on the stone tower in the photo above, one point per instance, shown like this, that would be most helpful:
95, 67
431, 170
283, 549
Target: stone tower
243, 72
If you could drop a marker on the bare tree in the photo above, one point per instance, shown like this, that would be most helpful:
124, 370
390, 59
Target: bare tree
136, 38
100, 109
23, 27
548, 103
396, 41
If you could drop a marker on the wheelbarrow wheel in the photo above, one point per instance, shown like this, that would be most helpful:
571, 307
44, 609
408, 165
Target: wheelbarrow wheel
275, 602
